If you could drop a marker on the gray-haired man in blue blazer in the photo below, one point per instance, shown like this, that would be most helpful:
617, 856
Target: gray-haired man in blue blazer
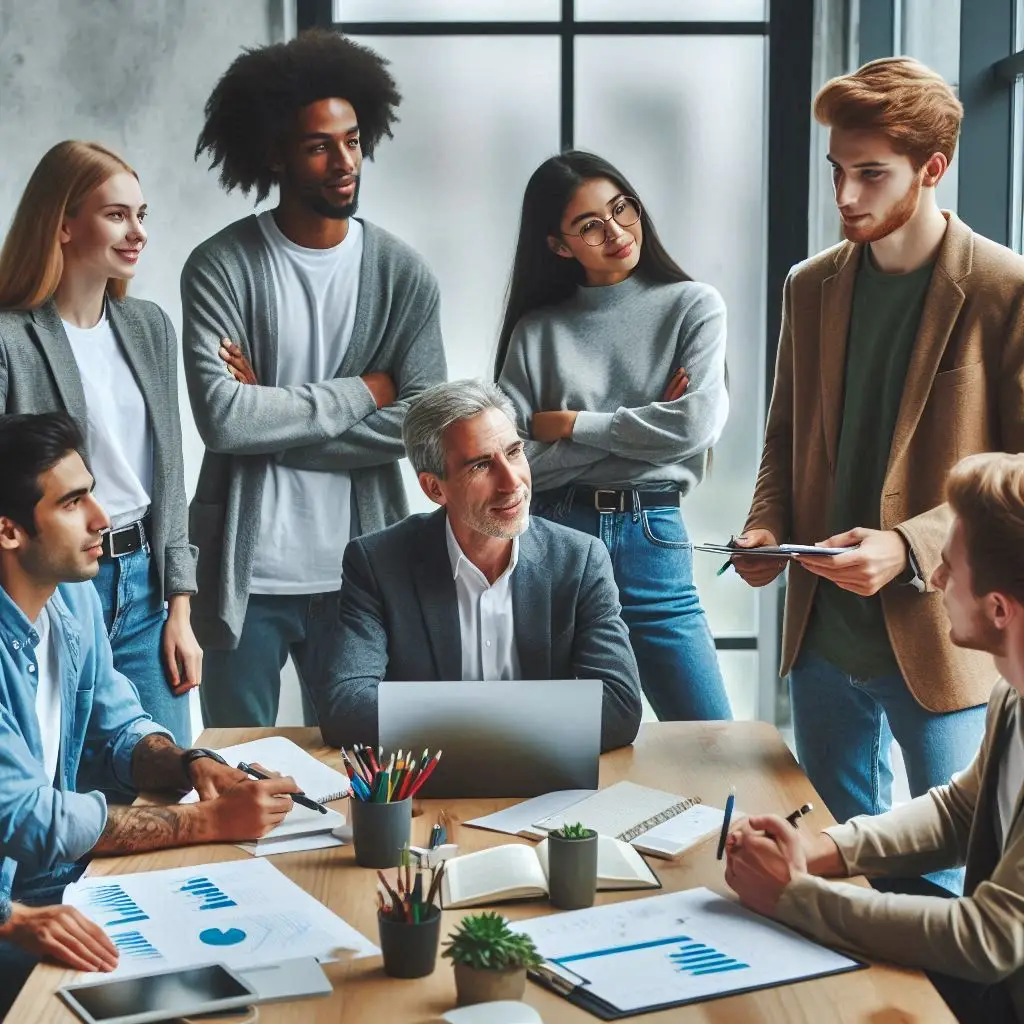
476, 590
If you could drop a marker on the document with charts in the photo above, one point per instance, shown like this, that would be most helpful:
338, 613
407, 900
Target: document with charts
241, 913
682, 947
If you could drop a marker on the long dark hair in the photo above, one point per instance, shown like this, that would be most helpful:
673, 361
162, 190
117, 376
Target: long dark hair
539, 277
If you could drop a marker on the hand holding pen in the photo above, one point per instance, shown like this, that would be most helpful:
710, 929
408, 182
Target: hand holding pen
298, 796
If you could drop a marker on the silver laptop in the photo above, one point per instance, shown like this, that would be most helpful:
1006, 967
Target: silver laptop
502, 738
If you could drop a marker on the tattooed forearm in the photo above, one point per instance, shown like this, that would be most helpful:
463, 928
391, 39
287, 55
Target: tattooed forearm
157, 765
137, 829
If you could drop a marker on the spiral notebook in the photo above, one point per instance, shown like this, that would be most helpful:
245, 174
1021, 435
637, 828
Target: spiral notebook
624, 810
316, 779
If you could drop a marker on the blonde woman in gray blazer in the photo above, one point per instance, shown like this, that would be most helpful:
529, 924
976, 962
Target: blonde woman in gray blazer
71, 340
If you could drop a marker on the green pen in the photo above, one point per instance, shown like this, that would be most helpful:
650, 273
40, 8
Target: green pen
725, 566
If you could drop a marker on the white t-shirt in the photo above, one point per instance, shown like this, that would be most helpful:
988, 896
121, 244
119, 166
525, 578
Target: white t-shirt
485, 616
1011, 778
120, 435
48, 693
305, 516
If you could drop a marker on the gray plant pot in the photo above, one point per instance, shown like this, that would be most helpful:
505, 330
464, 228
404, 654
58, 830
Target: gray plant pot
477, 986
572, 871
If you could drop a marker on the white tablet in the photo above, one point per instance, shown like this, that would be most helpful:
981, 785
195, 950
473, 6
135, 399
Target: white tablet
163, 995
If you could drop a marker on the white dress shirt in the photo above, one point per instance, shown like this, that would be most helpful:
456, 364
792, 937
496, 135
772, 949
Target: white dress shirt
485, 616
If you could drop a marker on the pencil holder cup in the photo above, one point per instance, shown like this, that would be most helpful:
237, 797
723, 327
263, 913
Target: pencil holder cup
379, 831
572, 871
410, 950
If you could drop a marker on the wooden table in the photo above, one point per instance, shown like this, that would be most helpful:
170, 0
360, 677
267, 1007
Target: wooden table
699, 758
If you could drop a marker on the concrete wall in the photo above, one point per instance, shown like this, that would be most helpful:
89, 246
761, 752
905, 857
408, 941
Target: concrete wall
134, 75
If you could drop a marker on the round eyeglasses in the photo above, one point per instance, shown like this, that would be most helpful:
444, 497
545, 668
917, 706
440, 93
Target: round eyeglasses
625, 213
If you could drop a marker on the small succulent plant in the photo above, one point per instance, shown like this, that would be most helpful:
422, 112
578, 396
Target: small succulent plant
577, 831
485, 942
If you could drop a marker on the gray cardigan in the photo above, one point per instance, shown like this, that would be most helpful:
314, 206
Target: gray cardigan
227, 291
38, 373
399, 619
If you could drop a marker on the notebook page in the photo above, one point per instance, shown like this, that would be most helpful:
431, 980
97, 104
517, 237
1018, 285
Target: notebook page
685, 830
279, 754
487, 873
624, 810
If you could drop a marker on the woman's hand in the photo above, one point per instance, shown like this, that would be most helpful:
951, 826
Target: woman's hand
238, 366
553, 426
677, 385
183, 657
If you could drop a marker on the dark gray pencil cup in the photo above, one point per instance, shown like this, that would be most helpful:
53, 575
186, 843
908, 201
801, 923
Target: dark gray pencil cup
379, 831
410, 950
572, 871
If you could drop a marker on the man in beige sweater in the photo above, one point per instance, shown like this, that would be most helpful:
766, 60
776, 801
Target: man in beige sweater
973, 946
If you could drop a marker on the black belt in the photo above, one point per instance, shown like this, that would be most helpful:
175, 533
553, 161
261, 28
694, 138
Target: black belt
606, 499
128, 538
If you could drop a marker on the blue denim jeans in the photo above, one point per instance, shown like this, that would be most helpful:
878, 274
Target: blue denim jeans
844, 729
243, 686
134, 614
652, 559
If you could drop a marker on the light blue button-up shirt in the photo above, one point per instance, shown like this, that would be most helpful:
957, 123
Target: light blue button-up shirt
46, 825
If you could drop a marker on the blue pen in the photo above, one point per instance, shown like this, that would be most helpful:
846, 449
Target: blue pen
729, 804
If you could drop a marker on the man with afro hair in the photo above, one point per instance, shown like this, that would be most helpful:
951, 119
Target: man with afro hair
306, 334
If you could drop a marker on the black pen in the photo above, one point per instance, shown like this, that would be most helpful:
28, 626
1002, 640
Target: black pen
794, 818
299, 798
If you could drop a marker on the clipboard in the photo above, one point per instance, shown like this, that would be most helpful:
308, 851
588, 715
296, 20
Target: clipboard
779, 551
555, 979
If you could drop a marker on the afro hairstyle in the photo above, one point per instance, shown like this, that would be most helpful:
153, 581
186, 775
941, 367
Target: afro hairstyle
252, 108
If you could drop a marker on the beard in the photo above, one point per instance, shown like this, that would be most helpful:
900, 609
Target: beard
484, 521
981, 636
324, 207
895, 217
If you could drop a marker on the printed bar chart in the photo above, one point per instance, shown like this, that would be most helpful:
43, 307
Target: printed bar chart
696, 959
136, 946
206, 894
116, 906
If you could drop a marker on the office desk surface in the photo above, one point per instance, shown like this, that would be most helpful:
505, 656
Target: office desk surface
700, 758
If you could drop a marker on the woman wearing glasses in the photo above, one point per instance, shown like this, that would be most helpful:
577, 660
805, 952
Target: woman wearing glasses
71, 340
615, 359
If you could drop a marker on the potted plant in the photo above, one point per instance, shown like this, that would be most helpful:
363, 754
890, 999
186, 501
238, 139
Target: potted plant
572, 866
490, 959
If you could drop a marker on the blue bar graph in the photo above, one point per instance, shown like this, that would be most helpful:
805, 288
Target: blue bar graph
696, 959
136, 946
206, 894
690, 957
115, 905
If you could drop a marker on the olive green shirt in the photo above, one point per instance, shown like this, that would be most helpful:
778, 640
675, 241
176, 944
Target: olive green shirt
848, 630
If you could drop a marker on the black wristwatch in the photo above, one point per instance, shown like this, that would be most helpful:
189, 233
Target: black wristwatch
194, 754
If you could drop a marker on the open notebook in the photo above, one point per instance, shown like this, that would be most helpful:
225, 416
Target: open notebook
316, 779
515, 872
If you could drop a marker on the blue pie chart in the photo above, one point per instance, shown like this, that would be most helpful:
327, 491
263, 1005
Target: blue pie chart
222, 937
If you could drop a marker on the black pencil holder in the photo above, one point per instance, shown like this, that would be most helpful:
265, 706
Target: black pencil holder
379, 831
410, 950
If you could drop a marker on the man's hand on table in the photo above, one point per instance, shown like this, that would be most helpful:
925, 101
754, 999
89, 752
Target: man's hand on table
764, 853
60, 933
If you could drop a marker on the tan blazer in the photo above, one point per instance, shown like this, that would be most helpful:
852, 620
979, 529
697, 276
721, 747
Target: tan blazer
964, 393
979, 937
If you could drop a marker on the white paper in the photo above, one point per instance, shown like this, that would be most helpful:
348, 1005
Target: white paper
293, 844
681, 946
241, 913
672, 837
279, 754
618, 810
519, 818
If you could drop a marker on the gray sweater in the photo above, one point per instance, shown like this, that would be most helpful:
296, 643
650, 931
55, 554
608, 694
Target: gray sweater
227, 291
609, 352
